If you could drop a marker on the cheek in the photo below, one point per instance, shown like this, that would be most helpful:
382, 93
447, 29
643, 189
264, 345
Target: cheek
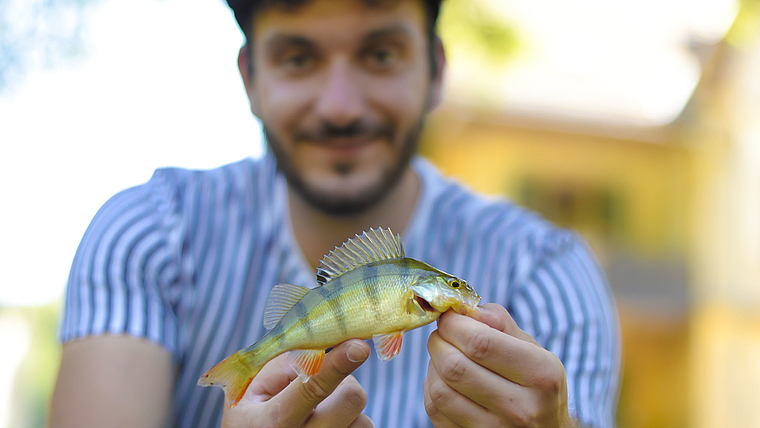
402, 97
280, 105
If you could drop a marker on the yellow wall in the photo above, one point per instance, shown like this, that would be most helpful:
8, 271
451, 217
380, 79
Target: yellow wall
651, 179
653, 183
690, 190
725, 322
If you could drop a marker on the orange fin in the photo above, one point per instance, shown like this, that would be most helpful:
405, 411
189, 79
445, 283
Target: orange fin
306, 362
388, 345
232, 375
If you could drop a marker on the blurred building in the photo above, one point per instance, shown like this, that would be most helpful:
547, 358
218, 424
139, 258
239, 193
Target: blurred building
673, 213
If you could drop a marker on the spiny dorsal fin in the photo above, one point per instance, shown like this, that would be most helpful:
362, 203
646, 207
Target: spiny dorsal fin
280, 300
372, 246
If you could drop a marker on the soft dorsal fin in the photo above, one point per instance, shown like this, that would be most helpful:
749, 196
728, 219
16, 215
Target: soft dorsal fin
372, 246
280, 300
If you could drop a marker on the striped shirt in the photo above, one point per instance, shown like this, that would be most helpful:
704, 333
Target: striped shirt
187, 261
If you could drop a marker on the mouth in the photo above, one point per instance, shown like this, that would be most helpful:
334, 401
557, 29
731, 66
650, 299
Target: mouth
343, 146
424, 304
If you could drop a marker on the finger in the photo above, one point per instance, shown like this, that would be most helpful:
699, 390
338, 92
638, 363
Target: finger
342, 407
299, 398
437, 417
496, 316
273, 378
363, 421
457, 408
488, 390
515, 359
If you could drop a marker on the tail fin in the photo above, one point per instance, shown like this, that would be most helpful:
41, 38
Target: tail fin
233, 375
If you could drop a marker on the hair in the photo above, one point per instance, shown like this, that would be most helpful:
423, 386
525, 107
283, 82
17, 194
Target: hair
245, 10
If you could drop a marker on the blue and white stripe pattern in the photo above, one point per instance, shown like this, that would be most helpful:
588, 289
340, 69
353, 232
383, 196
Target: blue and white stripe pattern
187, 261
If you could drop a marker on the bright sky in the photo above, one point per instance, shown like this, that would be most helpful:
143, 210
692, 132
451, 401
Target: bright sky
147, 95
625, 62
159, 86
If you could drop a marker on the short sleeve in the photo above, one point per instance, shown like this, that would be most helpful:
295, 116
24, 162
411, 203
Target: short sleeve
126, 266
565, 303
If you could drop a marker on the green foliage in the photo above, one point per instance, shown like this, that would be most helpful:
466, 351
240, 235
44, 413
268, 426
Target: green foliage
468, 29
33, 381
747, 22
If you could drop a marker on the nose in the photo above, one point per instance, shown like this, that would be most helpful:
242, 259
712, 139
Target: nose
341, 99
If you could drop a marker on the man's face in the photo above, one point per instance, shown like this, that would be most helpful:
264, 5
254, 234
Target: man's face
341, 89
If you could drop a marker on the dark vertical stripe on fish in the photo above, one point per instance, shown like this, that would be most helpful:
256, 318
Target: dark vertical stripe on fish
369, 285
302, 316
336, 307
405, 263
340, 314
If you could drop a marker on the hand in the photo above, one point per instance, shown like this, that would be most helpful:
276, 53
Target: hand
486, 372
332, 398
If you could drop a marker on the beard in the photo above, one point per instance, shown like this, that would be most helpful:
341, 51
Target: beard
348, 205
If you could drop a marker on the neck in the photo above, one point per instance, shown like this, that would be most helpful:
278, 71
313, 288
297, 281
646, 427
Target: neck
317, 232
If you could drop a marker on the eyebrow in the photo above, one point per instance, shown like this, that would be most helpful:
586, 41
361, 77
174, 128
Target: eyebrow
280, 41
392, 31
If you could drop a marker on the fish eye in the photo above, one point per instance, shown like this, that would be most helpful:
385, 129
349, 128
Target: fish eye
454, 283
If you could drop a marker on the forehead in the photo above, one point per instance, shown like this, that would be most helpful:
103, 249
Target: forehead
340, 21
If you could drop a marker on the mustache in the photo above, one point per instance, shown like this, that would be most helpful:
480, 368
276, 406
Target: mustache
357, 129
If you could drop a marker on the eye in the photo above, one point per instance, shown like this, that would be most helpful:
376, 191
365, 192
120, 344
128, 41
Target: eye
298, 62
295, 61
454, 283
381, 58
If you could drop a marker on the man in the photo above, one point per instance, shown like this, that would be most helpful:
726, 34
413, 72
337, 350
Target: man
172, 276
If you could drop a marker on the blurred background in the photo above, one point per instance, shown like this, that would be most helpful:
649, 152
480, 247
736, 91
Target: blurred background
635, 122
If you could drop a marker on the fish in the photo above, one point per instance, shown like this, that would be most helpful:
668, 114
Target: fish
366, 289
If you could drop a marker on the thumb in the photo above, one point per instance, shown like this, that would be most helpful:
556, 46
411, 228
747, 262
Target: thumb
496, 316
300, 398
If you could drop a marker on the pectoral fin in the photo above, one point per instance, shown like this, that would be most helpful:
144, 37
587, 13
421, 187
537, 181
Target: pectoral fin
306, 362
388, 345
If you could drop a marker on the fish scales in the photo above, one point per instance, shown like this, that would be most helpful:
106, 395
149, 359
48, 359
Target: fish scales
368, 289
345, 297
314, 321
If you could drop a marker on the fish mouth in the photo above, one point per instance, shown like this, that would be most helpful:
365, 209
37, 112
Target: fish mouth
424, 304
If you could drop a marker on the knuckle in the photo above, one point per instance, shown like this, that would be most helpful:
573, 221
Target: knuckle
363, 421
518, 412
432, 338
551, 380
524, 418
478, 345
453, 368
440, 394
313, 391
355, 396
431, 409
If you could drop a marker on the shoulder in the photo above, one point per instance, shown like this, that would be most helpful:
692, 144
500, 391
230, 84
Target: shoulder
468, 232
462, 213
236, 175
188, 190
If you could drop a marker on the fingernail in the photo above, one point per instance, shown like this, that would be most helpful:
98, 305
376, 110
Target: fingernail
356, 353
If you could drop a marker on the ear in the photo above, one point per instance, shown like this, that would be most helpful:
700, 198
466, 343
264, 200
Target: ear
246, 73
436, 84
